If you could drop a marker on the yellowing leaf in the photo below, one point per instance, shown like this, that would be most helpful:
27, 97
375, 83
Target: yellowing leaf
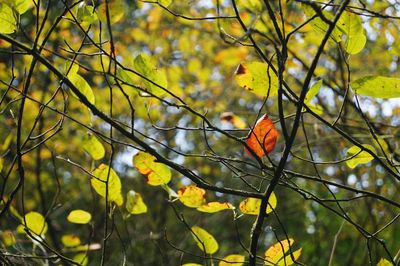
8, 238
79, 217
192, 196
70, 240
319, 25
135, 203
381, 144
81, 258
143, 65
1, 164
205, 241
192, 264
355, 44
8, 20
351, 25
257, 78
263, 137
275, 255
116, 9
377, 86
114, 184
93, 146
233, 259
313, 91
360, 157
86, 13
35, 223
230, 117
156, 173
384, 262
252, 205
81, 84
215, 206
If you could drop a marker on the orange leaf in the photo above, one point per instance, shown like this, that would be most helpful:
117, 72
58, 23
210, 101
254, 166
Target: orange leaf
192, 196
263, 137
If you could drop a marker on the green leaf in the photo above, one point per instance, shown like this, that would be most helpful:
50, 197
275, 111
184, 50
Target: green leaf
8, 20
114, 184
156, 173
79, 217
93, 146
135, 203
86, 13
143, 65
81, 84
360, 157
321, 26
377, 86
313, 91
257, 78
35, 223
1, 164
205, 241
81, 258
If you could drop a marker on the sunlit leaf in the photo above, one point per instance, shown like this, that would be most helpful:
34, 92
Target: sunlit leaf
360, 157
321, 26
79, 217
156, 173
165, 2
8, 20
252, 205
377, 86
235, 120
135, 203
86, 13
275, 255
81, 84
233, 259
35, 223
70, 240
381, 144
8, 238
257, 78
384, 262
215, 206
351, 25
192, 264
81, 258
103, 172
116, 10
313, 91
21, 6
205, 241
144, 65
263, 137
192, 196
93, 146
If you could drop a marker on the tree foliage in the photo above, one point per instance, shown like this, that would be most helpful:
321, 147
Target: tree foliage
199, 132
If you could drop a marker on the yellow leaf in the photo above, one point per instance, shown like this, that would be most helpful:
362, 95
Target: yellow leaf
275, 255
377, 86
192, 196
135, 203
381, 144
230, 117
384, 262
114, 184
233, 259
35, 223
205, 241
252, 205
79, 217
93, 146
257, 78
165, 2
192, 264
70, 240
21, 6
156, 173
359, 157
8, 20
215, 206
